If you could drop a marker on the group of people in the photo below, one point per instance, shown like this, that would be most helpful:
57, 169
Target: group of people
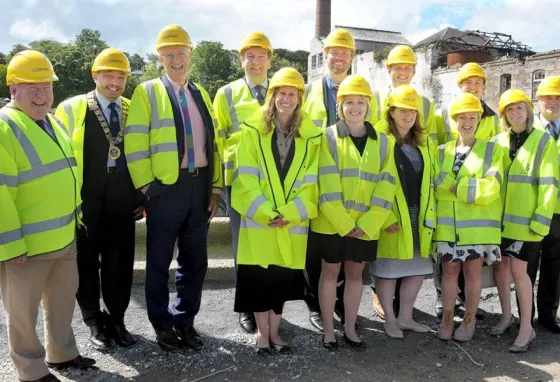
320, 179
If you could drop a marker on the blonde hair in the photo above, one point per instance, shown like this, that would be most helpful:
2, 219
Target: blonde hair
340, 113
506, 126
270, 113
416, 134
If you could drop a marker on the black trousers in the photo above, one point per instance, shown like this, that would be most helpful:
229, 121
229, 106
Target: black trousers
106, 249
179, 214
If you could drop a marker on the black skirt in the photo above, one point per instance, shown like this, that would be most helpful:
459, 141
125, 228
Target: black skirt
520, 250
336, 249
261, 289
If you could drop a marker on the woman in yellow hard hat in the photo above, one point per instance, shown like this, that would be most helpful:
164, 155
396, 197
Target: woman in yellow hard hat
275, 191
405, 242
357, 187
530, 162
469, 212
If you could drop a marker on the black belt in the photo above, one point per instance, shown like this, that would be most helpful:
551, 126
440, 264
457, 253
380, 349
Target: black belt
197, 171
112, 170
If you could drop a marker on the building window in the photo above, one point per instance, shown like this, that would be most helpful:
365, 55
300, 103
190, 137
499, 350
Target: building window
359, 51
538, 76
505, 82
320, 60
314, 62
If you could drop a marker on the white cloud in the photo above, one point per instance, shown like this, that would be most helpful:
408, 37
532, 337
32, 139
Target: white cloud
29, 31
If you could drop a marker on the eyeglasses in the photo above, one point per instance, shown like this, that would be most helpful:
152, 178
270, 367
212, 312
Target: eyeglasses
180, 55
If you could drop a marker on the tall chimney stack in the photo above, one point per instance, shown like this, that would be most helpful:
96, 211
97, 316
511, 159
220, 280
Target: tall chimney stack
323, 18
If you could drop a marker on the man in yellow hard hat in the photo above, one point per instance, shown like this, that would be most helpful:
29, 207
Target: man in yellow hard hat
548, 118
172, 157
233, 104
339, 50
37, 239
471, 79
96, 122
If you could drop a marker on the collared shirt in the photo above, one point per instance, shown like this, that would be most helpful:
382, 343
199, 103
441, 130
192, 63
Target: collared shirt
252, 87
283, 142
516, 141
331, 100
545, 123
198, 129
48, 128
104, 105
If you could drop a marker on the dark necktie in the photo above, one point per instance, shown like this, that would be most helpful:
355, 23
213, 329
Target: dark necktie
114, 123
188, 130
259, 90
550, 128
335, 91
44, 125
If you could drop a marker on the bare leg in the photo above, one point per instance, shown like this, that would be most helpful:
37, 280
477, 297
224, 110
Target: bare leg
449, 281
327, 296
473, 284
524, 290
261, 319
352, 297
386, 292
409, 291
273, 326
502, 275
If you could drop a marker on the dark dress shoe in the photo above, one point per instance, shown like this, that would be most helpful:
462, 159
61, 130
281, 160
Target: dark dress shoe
98, 339
247, 322
77, 363
281, 349
168, 341
263, 351
47, 378
316, 320
550, 324
189, 337
330, 346
355, 345
122, 336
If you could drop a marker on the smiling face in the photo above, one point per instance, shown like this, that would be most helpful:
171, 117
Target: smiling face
516, 114
176, 61
256, 62
110, 84
404, 119
549, 106
401, 74
286, 100
474, 85
339, 60
33, 99
467, 123
354, 108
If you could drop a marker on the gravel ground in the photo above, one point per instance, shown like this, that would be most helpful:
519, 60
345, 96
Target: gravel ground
228, 353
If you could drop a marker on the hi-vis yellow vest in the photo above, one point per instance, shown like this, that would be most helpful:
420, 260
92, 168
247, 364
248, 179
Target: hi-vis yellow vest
233, 104
539, 126
354, 190
400, 244
531, 186
488, 127
43, 180
72, 113
150, 141
315, 106
259, 195
472, 214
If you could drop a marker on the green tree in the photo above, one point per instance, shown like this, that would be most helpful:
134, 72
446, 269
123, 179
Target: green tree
152, 58
4, 89
151, 71
212, 66
16, 49
131, 84
3, 59
136, 62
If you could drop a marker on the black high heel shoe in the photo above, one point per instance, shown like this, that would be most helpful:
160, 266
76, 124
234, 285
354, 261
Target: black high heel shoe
262, 350
330, 346
281, 349
355, 345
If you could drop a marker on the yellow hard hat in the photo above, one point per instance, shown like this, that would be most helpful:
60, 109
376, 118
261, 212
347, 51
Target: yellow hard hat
513, 96
173, 35
405, 97
401, 54
255, 39
549, 86
340, 38
30, 66
354, 85
471, 69
465, 103
286, 77
111, 59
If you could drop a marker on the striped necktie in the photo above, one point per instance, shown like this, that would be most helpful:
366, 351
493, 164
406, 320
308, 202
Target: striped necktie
551, 129
260, 98
188, 129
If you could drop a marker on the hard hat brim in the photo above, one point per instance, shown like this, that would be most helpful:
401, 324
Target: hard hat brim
405, 106
547, 93
164, 45
18, 80
340, 95
109, 69
242, 50
463, 111
409, 62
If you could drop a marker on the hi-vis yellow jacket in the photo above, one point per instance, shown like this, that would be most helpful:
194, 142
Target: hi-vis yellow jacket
42, 179
472, 214
259, 195
316, 101
488, 127
150, 141
400, 244
72, 113
539, 126
427, 113
355, 191
531, 186
233, 104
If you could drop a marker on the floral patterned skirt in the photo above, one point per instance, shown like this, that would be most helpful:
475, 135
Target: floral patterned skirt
451, 252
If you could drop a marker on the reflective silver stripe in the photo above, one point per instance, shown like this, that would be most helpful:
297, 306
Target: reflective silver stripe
441, 154
248, 170
163, 148
308, 179
445, 221
446, 123
433, 136
318, 122
229, 165
478, 223
440, 178
308, 90
255, 204
368, 177
540, 151
228, 92
215, 121
350, 173
10, 236
25, 143
488, 157
383, 148
156, 122
426, 108
547, 181
301, 209
381, 203
48, 225
496, 175
327, 170
250, 224
331, 139
68, 110
429, 223
138, 129
298, 230
62, 126
496, 124
360, 207
542, 219
138, 155
39, 171
520, 179
330, 197
8, 180
385, 176
471, 190
378, 103
517, 219
222, 134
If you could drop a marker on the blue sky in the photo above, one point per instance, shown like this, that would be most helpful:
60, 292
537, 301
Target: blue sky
133, 25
